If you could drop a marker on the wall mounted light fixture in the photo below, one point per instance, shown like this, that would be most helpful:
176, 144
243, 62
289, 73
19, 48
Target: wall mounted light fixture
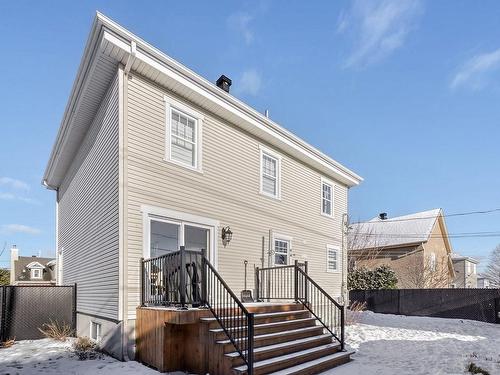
227, 235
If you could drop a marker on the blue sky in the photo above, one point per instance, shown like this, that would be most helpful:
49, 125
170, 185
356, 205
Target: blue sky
405, 93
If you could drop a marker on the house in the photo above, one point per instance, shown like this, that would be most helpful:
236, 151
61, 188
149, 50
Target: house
153, 162
31, 270
483, 281
465, 271
415, 246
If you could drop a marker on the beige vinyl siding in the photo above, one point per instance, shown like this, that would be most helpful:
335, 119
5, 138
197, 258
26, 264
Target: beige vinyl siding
88, 214
227, 190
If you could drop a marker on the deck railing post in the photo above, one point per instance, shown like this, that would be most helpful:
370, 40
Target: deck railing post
3, 312
342, 326
250, 346
257, 283
306, 289
141, 265
296, 281
203, 277
74, 311
182, 277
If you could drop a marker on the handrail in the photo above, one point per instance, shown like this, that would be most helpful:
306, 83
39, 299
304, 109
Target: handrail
315, 299
233, 317
293, 282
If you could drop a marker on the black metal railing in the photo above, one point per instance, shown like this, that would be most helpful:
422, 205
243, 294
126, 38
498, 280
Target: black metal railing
172, 279
292, 282
233, 317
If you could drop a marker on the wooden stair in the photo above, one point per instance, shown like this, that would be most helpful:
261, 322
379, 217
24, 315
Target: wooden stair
288, 340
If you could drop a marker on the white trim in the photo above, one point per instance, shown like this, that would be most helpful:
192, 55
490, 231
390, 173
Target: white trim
330, 183
35, 264
274, 155
173, 104
339, 259
180, 218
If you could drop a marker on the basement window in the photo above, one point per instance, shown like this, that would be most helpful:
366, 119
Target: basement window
95, 331
332, 258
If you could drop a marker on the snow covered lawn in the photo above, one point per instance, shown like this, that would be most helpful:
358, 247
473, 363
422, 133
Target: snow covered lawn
384, 344
395, 344
53, 357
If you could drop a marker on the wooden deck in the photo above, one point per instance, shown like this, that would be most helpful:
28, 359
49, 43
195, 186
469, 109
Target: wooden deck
170, 339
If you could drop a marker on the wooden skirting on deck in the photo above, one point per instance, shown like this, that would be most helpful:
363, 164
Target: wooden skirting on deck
169, 339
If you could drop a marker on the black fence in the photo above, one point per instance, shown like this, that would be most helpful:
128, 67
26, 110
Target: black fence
473, 304
24, 309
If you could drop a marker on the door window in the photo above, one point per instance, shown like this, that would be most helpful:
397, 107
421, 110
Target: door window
281, 252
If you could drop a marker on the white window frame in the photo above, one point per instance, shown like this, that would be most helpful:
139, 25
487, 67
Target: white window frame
277, 157
152, 213
338, 260
324, 181
288, 239
98, 325
33, 270
174, 105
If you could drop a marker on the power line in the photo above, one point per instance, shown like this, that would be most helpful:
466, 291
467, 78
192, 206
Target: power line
431, 217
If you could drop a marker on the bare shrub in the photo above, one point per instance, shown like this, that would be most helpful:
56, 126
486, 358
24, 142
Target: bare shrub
7, 344
55, 330
353, 314
86, 348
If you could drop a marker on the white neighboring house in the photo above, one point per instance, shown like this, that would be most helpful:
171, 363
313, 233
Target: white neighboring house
465, 271
151, 156
483, 281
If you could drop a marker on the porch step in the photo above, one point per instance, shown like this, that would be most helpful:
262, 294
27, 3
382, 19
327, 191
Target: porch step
264, 307
317, 365
266, 352
279, 337
273, 327
286, 361
262, 318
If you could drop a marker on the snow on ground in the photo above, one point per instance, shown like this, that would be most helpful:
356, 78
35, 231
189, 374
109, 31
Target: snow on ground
384, 345
47, 356
395, 344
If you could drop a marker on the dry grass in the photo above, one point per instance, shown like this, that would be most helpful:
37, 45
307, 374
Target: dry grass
57, 331
354, 311
86, 348
7, 344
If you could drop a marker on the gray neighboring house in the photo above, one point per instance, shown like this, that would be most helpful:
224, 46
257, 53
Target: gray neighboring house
31, 270
465, 271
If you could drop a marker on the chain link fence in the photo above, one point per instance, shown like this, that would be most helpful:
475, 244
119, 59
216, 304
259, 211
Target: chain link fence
474, 304
24, 309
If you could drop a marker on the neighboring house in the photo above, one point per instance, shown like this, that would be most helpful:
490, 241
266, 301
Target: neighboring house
31, 270
150, 156
483, 281
465, 271
415, 246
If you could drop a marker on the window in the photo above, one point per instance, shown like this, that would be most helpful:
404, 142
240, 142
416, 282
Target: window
36, 273
332, 258
432, 262
471, 268
270, 169
326, 198
183, 131
95, 331
281, 252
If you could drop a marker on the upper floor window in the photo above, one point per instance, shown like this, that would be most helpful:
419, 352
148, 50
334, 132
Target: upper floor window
270, 173
332, 258
471, 268
326, 198
183, 135
433, 262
